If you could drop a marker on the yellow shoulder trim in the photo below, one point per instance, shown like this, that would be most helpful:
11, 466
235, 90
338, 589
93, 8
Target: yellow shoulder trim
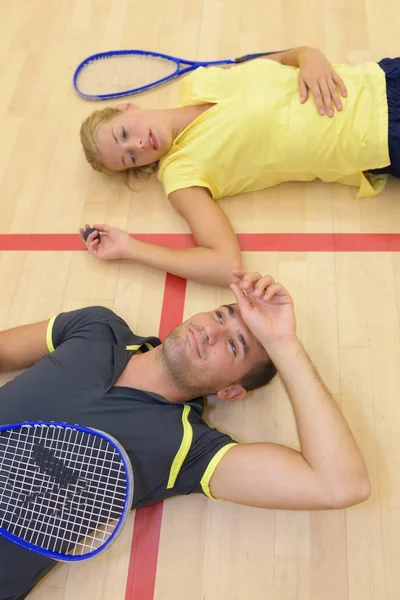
138, 346
212, 465
49, 334
183, 448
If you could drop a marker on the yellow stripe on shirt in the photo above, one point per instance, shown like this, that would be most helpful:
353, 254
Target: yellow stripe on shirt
212, 465
136, 347
49, 334
183, 448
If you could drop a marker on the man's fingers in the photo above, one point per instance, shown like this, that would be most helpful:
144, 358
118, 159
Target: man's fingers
253, 283
249, 280
240, 296
263, 284
275, 289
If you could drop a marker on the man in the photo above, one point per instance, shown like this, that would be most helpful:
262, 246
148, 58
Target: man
87, 367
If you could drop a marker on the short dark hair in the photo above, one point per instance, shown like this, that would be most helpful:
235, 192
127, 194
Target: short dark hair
259, 375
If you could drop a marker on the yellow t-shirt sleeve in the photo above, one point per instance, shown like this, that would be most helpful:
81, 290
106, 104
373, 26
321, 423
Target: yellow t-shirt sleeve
177, 173
211, 84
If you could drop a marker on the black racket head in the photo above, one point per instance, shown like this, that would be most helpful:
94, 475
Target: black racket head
64, 490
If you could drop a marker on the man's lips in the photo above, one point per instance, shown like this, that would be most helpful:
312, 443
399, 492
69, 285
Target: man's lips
194, 342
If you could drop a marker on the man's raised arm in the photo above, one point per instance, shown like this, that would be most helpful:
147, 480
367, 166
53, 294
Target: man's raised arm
329, 471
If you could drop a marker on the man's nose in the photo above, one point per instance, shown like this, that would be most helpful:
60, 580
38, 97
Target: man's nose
213, 332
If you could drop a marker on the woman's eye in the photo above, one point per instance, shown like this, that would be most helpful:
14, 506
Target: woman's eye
124, 133
219, 316
232, 344
133, 159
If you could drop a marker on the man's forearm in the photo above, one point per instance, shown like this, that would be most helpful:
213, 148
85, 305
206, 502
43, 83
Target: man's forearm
326, 441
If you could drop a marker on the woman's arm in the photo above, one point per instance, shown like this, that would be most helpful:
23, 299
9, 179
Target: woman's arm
292, 57
212, 262
316, 74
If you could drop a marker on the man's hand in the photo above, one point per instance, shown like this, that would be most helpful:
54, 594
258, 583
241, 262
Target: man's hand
114, 243
266, 308
317, 74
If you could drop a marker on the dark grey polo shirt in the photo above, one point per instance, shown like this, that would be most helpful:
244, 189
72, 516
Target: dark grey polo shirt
172, 449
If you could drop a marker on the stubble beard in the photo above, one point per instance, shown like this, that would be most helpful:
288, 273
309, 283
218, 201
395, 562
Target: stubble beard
179, 368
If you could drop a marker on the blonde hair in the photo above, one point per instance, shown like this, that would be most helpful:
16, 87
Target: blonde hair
90, 148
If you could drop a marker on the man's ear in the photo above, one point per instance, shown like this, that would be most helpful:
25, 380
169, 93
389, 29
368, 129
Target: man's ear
233, 392
127, 106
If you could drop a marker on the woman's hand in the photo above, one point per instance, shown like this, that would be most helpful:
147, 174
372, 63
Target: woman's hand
113, 243
318, 75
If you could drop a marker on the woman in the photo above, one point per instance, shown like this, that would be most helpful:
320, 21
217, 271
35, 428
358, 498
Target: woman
243, 129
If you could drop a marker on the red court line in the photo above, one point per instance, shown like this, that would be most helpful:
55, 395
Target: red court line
250, 242
146, 533
320, 242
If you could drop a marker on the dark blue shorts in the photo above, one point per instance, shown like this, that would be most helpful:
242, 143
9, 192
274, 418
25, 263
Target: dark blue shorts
391, 66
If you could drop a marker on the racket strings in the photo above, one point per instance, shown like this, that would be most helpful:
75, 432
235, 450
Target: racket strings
117, 74
42, 508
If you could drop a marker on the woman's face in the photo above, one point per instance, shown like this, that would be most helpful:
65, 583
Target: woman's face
134, 138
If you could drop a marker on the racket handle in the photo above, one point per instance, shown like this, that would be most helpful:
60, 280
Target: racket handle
247, 57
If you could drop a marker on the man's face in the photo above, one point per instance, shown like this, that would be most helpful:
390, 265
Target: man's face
211, 351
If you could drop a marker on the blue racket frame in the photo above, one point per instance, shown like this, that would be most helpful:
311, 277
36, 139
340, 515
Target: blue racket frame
127, 504
191, 65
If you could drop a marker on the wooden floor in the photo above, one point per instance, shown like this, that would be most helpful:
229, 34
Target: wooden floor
348, 303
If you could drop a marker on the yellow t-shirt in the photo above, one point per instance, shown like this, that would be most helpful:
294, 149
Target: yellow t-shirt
257, 134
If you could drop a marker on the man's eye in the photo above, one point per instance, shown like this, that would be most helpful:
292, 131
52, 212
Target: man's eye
124, 133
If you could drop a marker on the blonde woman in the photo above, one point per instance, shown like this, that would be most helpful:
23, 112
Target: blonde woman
241, 129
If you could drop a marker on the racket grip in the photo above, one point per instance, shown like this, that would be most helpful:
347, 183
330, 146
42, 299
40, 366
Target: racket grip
248, 57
